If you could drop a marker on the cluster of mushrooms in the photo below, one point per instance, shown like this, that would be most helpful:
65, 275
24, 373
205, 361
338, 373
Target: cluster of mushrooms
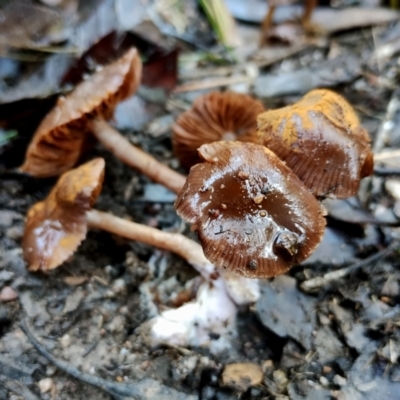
252, 194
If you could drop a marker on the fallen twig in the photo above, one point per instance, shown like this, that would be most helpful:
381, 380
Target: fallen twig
118, 391
380, 171
320, 281
384, 155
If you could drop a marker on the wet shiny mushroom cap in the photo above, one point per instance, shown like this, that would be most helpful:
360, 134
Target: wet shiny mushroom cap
59, 140
215, 116
55, 227
320, 138
251, 213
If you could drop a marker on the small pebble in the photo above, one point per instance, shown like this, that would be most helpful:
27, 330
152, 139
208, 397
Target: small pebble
8, 294
323, 381
45, 385
242, 376
119, 286
15, 232
6, 276
267, 366
326, 369
51, 370
7, 217
65, 341
117, 324
339, 380
280, 380
392, 186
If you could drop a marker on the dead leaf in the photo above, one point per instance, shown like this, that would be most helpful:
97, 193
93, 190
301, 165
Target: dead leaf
160, 65
42, 25
342, 69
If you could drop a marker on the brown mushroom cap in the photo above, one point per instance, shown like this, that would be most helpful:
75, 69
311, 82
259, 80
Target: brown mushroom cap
59, 139
251, 213
56, 226
215, 116
320, 138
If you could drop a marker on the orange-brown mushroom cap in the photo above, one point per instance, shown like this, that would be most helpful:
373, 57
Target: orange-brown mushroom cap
58, 141
56, 226
320, 138
215, 116
251, 213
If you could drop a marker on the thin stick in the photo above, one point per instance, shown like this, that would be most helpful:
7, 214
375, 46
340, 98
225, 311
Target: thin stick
308, 10
384, 155
266, 24
135, 157
179, 244
117, 390
379, 171
320, 281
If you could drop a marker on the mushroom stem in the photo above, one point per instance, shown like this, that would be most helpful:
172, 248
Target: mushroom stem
266, 23
179, 244
308, 10
135, 157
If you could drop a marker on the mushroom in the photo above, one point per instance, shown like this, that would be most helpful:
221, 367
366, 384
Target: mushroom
215, 116
61, 137
266, 24
56, 226
320, 138
252, 214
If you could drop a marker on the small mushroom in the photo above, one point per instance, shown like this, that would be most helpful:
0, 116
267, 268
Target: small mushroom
252, 214
267, 22
56, 226
61, 137
320, 138
215, 116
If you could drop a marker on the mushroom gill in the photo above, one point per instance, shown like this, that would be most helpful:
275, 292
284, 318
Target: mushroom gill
215, 116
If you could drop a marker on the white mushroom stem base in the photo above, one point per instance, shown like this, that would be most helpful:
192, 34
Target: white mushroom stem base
207, 321
213, 313
136, 158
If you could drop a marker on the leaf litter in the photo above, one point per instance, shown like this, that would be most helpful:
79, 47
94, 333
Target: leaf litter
341, 340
